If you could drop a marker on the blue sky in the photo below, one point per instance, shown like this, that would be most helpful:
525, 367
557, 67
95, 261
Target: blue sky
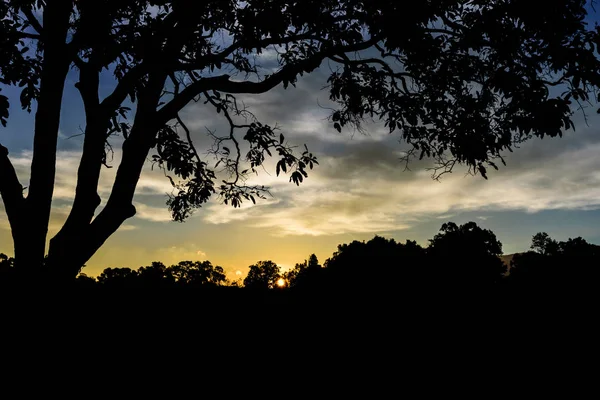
359, 190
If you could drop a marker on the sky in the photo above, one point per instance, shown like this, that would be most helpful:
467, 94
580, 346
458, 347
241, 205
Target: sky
360, 189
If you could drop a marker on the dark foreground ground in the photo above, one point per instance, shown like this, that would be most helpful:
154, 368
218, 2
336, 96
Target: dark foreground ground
230, 340
223, 310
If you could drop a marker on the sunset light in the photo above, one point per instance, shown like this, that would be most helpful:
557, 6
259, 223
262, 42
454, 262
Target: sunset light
271, 138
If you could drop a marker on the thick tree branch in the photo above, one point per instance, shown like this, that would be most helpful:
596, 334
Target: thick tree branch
442, 31
55, 67
125, 86
135, 150
243, 44
347, 61
33, 21
86, 193
222, 83
11, 190
27, 35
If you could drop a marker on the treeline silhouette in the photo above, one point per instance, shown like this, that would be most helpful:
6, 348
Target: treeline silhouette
459, 259
368, 297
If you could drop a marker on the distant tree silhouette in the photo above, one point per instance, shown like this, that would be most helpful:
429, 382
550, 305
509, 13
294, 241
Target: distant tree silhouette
542, 243
459, 83
579, 264
155, 275
564, 266
121, 278
313, 262
375, 264
262, 275
578, 247
533, 270
198, 273
466, 255
188, 274
85, 282
237, 283
305, 274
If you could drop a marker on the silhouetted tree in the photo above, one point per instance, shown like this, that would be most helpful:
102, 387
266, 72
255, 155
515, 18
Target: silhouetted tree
121, 278
459, 83
466, 255
198, 273
85, 282
155, 275
578, 247
533, 270
579, 264
6, 265
305, 274
262, 275
543, 244
374, 265
563, 266
237, 283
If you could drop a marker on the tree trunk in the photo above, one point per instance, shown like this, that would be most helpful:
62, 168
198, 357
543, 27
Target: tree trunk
30, 248
14, 202
69, 256
86, 200
86, 240
73, 234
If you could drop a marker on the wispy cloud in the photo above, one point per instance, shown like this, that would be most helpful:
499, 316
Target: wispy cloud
359, 187
153, 214
359, 197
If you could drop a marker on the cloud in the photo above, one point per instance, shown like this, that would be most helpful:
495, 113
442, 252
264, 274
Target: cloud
201, 254
359, 186
365, 191
152, 183
153, 214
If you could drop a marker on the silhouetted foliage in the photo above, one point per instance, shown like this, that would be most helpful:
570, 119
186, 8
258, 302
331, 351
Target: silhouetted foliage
460, 261
6, 262
85, 282
565, 266
466, 255
460, 82
6, 266
185, 274
262, 275
118, 278
198, 273
543, 244
307, 274
156, 275
532, 270
375, 264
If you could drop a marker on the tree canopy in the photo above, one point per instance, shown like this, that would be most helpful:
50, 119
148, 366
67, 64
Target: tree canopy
262, 275
461, 81
552, 264
305, 273
466, 254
